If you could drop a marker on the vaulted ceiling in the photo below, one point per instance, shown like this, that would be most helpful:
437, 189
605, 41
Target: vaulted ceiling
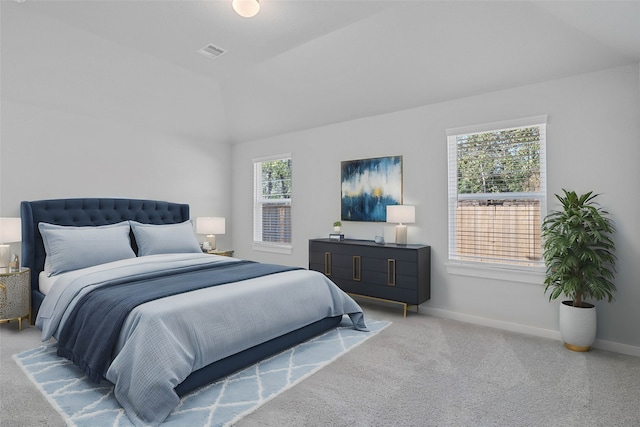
300, 64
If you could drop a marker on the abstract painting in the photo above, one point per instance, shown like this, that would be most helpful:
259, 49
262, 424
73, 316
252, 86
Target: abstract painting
368, 186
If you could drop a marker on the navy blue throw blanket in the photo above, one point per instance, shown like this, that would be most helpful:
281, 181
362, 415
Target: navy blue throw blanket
91, 332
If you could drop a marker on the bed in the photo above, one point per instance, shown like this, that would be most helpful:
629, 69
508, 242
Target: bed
171, 343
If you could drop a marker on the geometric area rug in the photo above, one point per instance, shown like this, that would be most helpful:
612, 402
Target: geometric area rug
85, 404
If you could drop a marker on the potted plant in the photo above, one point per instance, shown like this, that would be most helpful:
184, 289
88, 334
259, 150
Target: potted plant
337, 226
578, 251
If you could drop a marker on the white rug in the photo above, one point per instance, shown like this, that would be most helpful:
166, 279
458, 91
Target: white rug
85, 404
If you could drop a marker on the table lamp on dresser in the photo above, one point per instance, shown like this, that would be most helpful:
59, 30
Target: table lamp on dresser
401, 215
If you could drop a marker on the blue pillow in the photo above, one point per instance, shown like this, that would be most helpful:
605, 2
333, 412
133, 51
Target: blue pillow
71, 248
165, 239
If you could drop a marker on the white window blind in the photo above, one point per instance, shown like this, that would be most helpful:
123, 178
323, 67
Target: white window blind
272, 201
497, 192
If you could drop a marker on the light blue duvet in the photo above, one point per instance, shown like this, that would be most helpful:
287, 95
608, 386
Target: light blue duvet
163, 341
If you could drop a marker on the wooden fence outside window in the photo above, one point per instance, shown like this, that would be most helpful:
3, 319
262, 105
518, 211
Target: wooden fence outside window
508, 231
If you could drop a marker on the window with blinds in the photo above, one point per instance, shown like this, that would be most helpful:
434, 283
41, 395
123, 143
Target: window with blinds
497, 192
272, 201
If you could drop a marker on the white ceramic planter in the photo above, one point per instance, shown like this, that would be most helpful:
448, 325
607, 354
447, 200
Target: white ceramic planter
577, 326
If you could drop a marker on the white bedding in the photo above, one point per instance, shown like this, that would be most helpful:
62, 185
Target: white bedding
45, 283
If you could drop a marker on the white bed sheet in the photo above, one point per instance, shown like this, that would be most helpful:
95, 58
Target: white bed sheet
45, 283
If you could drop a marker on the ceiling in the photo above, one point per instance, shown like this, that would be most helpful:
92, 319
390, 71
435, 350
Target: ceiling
305, 63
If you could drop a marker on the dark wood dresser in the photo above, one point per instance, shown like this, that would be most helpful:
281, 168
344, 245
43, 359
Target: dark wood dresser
389, 272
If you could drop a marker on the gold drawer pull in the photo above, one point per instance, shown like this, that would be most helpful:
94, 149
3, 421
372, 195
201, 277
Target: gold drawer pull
357, 268
327, 263
391, 272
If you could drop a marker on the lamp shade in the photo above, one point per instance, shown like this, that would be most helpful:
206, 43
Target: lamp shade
10, 230
246, 8
210, 225
401, 214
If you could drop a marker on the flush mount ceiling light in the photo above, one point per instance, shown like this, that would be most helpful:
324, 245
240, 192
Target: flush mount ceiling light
246, 8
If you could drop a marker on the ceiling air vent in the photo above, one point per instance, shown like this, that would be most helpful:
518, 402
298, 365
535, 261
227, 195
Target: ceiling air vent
211, 51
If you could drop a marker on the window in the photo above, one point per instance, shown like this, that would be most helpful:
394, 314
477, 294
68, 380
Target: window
272, 203
497, 192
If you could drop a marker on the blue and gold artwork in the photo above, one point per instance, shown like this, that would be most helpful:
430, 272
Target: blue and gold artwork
368, 186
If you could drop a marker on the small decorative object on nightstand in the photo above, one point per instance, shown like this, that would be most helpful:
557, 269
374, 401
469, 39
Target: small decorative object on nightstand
221, 253
15, 290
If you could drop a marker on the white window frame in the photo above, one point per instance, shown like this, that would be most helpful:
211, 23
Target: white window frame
493, 270
258, 202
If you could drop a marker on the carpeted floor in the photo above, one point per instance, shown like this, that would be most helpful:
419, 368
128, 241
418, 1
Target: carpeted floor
420, 371
86, 404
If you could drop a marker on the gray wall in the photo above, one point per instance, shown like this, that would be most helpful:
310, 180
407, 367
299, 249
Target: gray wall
592, 144
83, 117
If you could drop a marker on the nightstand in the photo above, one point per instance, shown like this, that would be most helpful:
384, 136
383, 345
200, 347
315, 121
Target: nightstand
15, 292
221, 253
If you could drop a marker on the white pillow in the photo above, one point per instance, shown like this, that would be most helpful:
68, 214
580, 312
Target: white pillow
165, 239
71, 248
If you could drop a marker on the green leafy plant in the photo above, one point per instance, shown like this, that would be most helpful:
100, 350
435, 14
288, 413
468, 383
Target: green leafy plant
337, 224
578, 250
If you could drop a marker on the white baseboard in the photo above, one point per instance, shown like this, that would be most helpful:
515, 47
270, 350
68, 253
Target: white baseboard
498, 324
524, 329
617, 347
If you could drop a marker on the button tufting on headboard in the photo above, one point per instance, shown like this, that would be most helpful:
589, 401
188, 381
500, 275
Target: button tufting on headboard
85, 212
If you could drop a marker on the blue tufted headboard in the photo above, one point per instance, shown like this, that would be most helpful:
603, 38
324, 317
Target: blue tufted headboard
85, 212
